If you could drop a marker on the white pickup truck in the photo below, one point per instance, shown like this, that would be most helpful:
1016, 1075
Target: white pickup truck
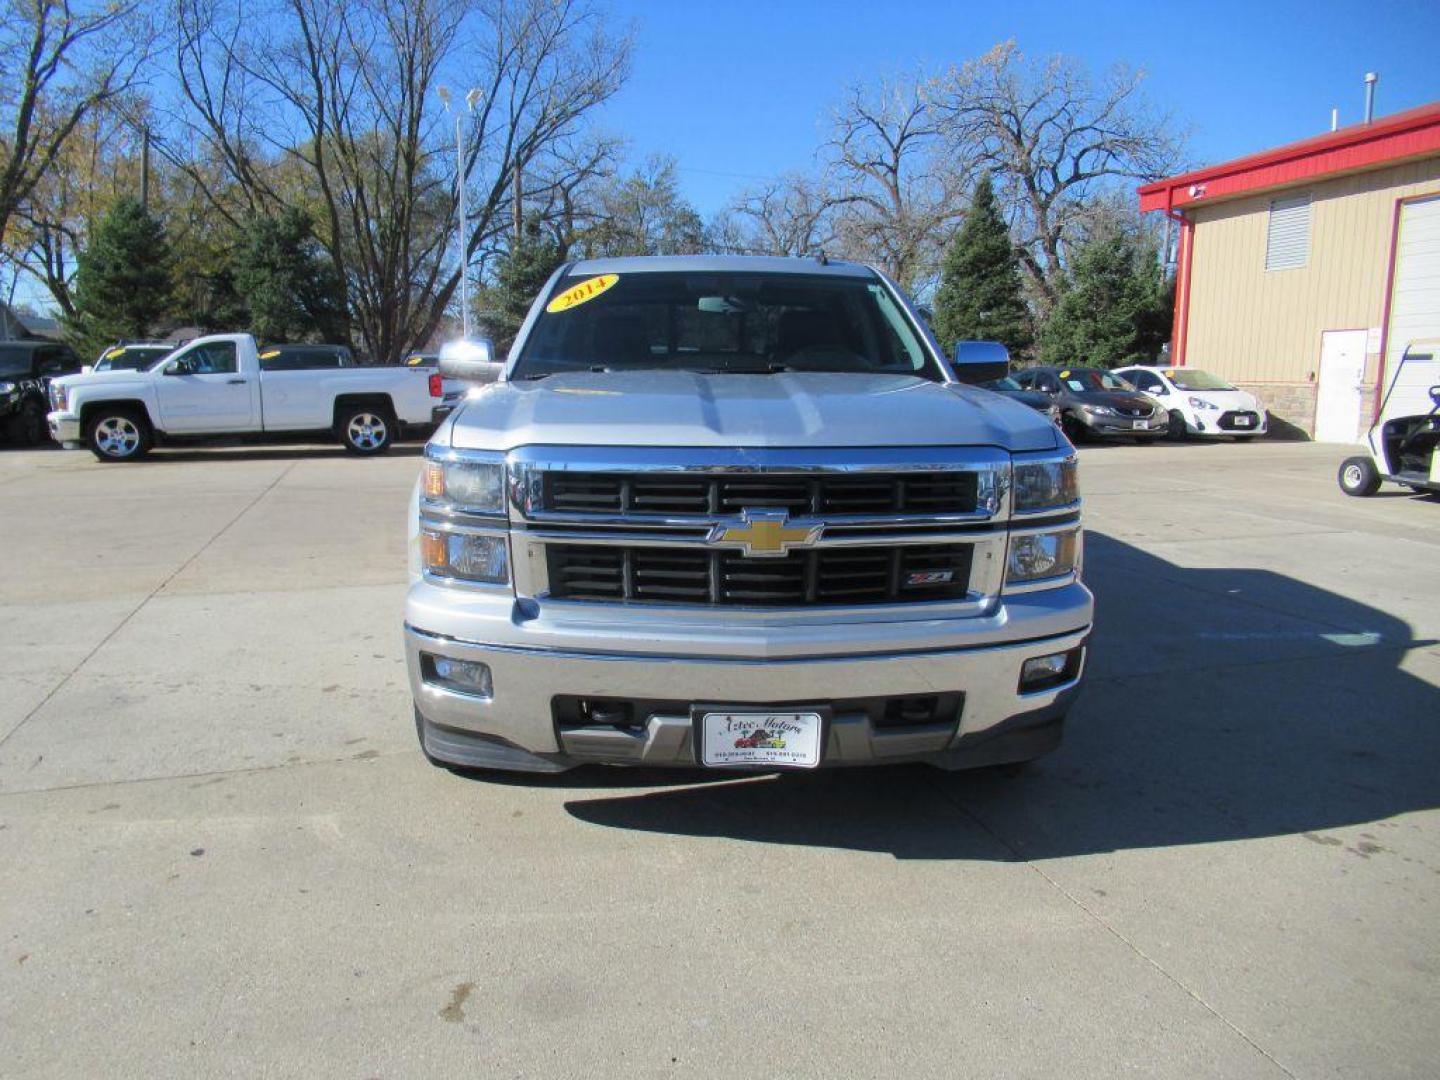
220, 385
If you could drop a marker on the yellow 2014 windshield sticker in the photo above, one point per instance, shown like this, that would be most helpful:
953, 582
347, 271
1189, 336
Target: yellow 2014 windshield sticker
579, 294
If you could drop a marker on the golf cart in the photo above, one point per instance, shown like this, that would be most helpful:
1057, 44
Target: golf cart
1404, 444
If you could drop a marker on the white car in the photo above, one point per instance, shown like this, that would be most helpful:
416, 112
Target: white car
1200, 403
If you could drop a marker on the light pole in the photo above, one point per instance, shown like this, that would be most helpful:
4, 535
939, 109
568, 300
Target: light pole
470, 99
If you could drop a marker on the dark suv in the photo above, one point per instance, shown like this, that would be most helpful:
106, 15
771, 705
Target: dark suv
1095, 403
26, 368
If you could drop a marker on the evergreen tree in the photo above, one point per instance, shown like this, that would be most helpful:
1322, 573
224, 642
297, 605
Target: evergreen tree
287, 281
522, 272
980, 296
123, 284
1115, 308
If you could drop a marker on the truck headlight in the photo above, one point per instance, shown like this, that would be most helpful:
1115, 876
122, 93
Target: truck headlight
1041, 555
464, 556
1044, 485
473, 485
59, 397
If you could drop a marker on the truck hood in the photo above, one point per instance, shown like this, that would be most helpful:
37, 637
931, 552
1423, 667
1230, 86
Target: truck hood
793, 409
102, 378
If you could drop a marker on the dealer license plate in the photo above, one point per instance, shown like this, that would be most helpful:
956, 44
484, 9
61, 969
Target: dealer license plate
1142, 425
760, 738
1242, 421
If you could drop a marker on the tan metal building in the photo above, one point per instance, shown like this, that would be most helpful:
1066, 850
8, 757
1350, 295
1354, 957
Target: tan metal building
1302, 272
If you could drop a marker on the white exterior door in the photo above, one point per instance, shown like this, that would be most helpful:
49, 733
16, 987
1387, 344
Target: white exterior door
1342, 378
202, 389
1414, 309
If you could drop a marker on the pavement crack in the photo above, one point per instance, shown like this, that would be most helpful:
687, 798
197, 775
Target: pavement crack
146, 599
1108, 927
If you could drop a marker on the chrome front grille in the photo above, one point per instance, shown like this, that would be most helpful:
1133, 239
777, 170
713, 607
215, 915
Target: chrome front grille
766, 529
880, 574
799, 496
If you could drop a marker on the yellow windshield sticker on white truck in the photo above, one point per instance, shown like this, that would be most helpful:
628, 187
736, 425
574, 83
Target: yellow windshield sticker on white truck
269, 354
579, 294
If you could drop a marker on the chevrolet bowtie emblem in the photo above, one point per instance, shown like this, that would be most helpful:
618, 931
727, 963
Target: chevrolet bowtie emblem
764, 533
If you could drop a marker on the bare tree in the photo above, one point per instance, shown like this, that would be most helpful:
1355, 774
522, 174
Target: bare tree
1054, 138
900, 191
330, 106
793, 214
59, 63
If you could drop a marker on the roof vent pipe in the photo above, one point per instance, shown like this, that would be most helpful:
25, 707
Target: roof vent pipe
1334, 119
1370, 80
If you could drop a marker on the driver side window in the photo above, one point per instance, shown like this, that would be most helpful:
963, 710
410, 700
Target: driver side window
217, 358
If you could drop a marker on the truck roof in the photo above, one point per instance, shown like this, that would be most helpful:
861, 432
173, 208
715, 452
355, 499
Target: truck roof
721, 264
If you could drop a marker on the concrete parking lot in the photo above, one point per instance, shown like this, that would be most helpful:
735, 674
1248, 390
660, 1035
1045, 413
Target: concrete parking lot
223, 856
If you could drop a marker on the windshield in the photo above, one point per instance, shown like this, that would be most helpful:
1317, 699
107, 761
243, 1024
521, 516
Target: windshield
131, 358
1094, 381
1191, 379
1007, 383
14, 361
727, 322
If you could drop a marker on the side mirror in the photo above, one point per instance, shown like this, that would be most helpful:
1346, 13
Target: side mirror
472, 361
1435, 394
183, 366
981, 361
86, 369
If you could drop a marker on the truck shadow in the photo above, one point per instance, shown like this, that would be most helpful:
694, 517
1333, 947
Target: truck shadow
297, 451
1223, 704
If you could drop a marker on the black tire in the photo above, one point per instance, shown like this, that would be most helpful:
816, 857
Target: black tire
28, 427
1358, 476
1178, 430
116, 434
365, 429
1074, 430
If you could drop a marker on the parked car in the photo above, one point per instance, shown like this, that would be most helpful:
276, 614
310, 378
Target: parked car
1095, 403
1200, 403
1008, 387
132, 356
706, 488
986, 364
26, 368
1404, 444
217, 385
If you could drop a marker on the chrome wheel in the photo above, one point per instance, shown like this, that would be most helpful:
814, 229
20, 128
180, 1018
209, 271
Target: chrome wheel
367, 431
117, 436
1353, 477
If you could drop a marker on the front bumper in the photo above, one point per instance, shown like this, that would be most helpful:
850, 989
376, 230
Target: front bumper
64, 427
664, 668
1117, 426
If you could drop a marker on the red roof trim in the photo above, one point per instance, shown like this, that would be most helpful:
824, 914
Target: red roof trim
1410, 134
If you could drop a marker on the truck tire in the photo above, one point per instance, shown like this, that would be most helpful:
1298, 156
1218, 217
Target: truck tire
1358, 476
121, 433
365, 429
28, 426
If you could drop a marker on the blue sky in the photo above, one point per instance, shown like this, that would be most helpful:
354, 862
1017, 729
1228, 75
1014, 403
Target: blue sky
741, 89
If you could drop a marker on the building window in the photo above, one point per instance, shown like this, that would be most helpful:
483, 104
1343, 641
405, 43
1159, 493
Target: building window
1287, 238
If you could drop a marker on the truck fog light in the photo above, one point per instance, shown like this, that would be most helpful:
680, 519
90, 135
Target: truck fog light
478, 557
1037, 556
1043, 672
465, 676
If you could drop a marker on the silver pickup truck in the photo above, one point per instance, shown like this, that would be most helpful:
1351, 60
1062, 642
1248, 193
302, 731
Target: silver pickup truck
736, 513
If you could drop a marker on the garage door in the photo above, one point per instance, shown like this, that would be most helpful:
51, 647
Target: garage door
1414, 306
